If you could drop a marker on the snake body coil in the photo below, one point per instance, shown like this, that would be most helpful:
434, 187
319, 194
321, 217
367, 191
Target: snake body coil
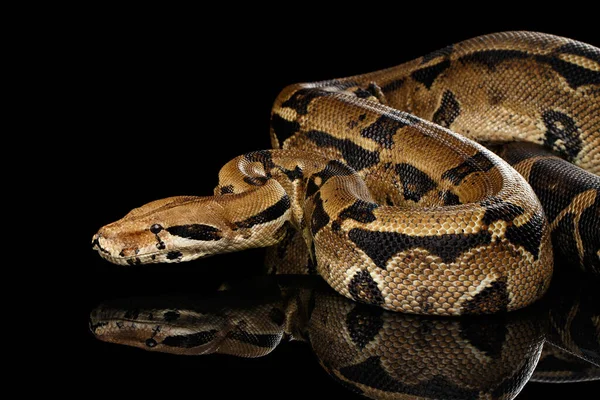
381, 184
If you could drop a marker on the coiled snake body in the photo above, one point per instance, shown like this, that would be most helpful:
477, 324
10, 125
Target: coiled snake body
378, 182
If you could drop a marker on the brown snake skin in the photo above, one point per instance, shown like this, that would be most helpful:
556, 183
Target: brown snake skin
378, 183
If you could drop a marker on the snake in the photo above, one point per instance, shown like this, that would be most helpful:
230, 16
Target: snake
364, 349
447, 185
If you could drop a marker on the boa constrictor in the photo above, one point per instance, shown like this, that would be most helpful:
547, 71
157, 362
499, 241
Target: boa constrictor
379, 183
379, 354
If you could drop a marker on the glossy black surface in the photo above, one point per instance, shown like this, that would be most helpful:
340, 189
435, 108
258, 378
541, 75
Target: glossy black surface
566, 317
155, 93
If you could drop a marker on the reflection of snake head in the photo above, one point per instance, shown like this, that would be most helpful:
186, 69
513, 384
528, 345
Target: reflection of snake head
168, 230
164, 330
172, 329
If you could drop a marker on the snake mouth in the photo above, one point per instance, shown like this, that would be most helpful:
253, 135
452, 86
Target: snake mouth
111, 253
120, 254
151, 258
158, 257
131, 261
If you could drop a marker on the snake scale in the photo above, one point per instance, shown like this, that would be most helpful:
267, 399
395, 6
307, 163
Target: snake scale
400, 187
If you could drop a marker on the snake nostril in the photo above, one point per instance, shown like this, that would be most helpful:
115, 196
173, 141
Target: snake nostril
96, 244
96, 240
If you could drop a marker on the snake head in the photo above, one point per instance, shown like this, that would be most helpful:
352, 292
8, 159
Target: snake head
174, 229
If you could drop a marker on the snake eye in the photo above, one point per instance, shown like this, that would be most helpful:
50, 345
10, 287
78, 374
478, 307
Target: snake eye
156, 228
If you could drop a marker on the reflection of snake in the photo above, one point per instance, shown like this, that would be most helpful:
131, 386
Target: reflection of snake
573, 333
380, 354
400, 212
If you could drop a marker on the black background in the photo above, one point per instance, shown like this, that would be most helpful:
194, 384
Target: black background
164, 99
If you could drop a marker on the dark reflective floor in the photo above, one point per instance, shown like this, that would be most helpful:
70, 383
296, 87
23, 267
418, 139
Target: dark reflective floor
262, 335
